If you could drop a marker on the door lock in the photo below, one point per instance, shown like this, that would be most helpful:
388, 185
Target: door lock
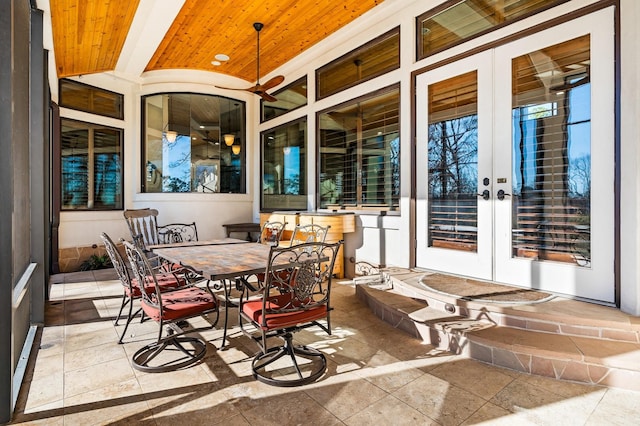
501, 194
485, 194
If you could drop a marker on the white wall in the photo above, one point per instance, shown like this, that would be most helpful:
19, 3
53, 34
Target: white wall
630, 157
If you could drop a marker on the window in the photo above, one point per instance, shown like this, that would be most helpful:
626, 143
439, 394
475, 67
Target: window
284, 170
289, 98
360, 153
366, 62
193, 143
458, 21
91, 166
91, 99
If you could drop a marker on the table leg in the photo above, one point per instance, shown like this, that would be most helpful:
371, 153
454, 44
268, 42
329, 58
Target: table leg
226, 284
223, 285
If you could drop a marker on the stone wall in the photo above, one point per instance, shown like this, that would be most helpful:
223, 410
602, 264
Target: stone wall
71, 259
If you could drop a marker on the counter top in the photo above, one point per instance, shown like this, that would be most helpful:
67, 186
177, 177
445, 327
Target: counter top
314, 213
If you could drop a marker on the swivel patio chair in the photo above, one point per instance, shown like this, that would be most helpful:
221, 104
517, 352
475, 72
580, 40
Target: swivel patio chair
169, 309
130, 285
290, 302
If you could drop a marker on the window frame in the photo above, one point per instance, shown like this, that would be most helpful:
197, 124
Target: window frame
303, 166
242, 138
420, 54
118, 97
351, 56
360, 208
302, 80
91, 173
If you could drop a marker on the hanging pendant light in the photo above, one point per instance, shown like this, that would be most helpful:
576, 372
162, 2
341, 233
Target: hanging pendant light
229, 138
235, 149
170, 135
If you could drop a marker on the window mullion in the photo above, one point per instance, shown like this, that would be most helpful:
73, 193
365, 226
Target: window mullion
91, 168
359, 168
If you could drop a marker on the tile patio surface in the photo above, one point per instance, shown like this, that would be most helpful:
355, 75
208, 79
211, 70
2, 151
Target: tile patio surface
377, 375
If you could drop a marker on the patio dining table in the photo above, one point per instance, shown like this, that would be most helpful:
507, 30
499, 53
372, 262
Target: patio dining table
220, 263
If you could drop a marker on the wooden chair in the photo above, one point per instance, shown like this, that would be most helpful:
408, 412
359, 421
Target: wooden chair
143, 226
290, 302
131, 289
309, 233
169, 309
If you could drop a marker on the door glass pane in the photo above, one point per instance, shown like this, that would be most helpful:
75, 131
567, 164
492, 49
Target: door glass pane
552, 154
453, 163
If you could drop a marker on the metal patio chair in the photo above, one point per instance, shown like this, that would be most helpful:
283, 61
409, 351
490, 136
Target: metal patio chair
290, 302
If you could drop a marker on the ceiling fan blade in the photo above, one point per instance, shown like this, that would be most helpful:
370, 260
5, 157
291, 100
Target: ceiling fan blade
267, 97
232, 88
273, 82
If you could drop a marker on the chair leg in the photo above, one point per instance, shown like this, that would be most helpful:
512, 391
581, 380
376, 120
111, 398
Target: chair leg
129, 317
124, 302
313, 370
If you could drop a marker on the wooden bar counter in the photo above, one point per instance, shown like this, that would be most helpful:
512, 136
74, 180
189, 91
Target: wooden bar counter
340, 223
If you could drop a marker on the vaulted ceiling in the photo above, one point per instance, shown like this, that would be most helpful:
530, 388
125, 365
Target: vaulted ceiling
134, 36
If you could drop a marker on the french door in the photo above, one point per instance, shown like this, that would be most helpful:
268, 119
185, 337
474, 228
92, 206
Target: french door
515, 162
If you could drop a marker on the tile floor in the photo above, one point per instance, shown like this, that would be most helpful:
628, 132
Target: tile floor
377, 374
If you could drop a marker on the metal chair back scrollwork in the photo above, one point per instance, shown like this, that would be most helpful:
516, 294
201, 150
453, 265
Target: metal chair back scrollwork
271, 233
177, 233
309, 234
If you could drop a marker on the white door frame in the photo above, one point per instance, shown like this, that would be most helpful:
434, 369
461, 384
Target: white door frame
494, 259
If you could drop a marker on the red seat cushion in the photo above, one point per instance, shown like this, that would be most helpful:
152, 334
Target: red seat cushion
182, 303
166, 281
253, 310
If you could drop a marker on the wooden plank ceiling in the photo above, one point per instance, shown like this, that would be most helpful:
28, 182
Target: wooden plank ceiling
89, 34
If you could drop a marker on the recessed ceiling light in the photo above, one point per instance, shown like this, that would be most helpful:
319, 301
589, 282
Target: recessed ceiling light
222, 57
216, 63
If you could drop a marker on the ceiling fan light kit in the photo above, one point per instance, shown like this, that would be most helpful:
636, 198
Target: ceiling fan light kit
260, 89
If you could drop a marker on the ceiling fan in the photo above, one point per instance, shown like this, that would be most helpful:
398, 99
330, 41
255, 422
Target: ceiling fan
261, 89
207, 138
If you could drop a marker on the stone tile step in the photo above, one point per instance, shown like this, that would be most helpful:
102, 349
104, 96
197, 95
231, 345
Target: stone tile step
559, 315
575, 358
582, 359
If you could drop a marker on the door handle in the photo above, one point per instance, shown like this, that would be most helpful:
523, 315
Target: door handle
501, 194
485, 194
